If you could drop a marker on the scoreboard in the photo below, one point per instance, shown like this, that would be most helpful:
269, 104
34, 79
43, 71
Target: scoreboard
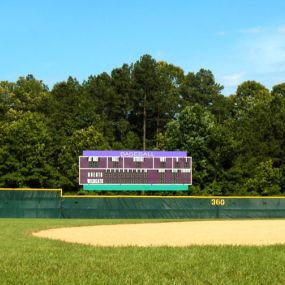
135, 170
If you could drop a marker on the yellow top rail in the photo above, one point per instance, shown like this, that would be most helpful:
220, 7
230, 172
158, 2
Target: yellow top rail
141, 196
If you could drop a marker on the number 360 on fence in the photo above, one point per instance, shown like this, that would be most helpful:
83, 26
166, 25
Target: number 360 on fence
217, 202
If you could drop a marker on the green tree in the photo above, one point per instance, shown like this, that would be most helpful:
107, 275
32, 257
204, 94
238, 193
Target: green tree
192, 132
100, 103
278, 130
167, 100
254, 141
6, 89
121, 101
265, 180
156, 97
278, 90
64, 107
26, 153
27, 94
200, 88
146, 84
252, 119
84, 139
30, 94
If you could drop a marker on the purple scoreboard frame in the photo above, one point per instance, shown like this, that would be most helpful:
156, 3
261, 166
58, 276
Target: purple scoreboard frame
134, 170
134, 153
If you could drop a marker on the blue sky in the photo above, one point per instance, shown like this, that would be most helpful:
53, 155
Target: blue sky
53, 39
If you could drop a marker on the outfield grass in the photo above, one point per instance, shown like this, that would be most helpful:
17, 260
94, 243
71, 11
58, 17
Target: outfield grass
25, 259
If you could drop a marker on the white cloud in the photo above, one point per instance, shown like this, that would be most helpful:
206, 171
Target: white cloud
221, 34
258, 54
160, 55
281, 29
252, 30
261, 54
231, 80
264, 52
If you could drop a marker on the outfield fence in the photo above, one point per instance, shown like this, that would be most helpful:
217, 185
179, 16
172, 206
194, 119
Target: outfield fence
50, 203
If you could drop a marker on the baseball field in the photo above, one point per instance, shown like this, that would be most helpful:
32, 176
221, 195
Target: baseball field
28, 259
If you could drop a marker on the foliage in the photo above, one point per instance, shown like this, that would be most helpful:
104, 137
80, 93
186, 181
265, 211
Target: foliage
265, 180
88, 138
26, 149
192, 131
237, 142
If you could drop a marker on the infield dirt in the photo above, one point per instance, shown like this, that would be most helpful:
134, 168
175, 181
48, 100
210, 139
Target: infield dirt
229, 232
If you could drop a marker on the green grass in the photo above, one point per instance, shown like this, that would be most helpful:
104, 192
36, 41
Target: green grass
25, 259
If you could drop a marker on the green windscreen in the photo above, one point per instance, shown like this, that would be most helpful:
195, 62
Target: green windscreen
51, 204
30, 203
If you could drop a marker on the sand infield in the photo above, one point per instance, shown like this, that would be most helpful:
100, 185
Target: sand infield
230, 232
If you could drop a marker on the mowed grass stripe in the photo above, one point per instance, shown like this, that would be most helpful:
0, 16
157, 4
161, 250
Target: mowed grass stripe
25, 259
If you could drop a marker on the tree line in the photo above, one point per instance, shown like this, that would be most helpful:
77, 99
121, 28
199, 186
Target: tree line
237, 142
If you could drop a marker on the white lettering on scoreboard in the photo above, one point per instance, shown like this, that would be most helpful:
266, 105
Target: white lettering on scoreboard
95, 181
95, 174
136, 153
